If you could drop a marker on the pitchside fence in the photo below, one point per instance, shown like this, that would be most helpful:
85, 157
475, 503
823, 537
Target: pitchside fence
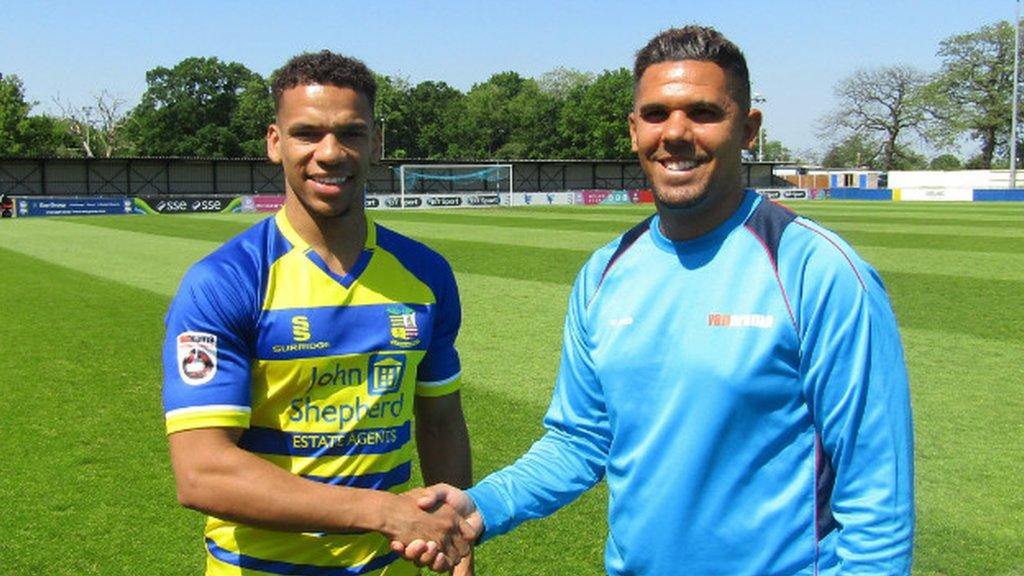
169, 185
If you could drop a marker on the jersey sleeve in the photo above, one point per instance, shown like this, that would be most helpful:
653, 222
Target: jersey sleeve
439, 373
856, 384
570, 458
207, 350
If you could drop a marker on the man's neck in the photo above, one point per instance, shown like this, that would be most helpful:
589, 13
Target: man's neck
338, 240
682, 224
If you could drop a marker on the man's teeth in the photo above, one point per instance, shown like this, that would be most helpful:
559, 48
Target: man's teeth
332, 180
679, 164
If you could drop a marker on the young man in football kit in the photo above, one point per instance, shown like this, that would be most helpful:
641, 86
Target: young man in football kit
298, 355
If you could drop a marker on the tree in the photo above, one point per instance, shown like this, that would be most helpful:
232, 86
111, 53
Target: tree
884, 104
561, 81
487, 122
97, 128
436, 108
774, 150
397, 124
21, 134
188, 109
13, 111
972, 91
593, 122
945, 162
855, 151
252, 115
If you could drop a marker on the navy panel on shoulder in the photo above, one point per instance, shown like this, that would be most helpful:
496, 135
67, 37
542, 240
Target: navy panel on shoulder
768, 222
628, 239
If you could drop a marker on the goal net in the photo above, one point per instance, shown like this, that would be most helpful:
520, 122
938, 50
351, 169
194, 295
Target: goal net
455, 178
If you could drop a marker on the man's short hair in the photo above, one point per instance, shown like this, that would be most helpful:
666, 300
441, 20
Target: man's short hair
325, 68
700, 43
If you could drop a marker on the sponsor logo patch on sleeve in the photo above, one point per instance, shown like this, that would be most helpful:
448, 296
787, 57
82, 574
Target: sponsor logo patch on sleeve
197, 357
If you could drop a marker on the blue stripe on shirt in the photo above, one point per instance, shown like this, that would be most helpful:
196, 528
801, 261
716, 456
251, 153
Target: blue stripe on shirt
316, 445
278, 567
376, 480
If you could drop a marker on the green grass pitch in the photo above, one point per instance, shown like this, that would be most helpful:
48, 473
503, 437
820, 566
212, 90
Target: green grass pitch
85, 478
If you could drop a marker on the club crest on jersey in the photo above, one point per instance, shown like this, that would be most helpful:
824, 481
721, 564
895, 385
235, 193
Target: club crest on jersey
197, 357
404, 331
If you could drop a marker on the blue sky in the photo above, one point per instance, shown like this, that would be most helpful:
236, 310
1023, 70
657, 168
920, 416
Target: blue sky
797, 50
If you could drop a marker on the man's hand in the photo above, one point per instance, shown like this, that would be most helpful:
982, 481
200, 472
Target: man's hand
437, 498
434, 535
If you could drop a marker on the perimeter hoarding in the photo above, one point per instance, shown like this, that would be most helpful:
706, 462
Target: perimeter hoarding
186, 204
75, 206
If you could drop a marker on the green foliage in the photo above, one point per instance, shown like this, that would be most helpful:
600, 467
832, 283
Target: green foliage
188, 110
487, 123
954, 272
972, 91
250, 118
945, 162
22, 134
13, 111
855, 151
594, 122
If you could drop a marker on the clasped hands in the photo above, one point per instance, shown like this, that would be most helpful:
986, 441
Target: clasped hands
464, 527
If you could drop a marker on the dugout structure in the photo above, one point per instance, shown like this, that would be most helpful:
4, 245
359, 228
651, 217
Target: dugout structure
455, 180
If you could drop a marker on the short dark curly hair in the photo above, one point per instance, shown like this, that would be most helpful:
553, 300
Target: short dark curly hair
326, 68
700, 43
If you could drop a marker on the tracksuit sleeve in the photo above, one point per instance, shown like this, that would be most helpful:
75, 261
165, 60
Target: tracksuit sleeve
856, 383
570, 457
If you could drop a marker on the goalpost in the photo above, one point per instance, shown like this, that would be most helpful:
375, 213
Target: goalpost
456, 180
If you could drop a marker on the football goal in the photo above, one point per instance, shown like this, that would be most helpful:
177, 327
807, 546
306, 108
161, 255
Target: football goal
456, 179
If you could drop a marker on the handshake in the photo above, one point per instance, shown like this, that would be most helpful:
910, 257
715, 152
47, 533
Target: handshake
443, 537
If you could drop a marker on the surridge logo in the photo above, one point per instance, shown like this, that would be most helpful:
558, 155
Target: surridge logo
301, 335
404, 331
300, 328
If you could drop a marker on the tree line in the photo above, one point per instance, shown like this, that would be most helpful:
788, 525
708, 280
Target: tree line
209, 108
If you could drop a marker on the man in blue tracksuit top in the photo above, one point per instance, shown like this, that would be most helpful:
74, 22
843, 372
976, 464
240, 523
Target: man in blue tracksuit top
732, 369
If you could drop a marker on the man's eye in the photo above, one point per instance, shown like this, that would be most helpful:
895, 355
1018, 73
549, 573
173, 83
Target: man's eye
705, 115
655, 116
306, 135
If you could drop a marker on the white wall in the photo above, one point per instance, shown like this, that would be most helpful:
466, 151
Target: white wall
970, 179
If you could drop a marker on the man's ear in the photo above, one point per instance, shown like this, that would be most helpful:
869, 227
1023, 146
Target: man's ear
751, 127
632, 132
273, 143
378, 150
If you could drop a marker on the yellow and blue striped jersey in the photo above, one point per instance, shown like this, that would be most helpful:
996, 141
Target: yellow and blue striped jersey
321, 371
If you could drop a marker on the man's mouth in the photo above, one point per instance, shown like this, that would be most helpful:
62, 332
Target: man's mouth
330, 180
675, 165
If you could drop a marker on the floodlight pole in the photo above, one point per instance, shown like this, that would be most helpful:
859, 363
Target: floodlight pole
758, 99
1016, 81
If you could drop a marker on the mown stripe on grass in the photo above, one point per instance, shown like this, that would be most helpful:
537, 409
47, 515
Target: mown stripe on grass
512, 219
512, 262
950, 230
80, 378
965, 412
973, 244
553, 238
945, 262
513, 331
986, 309
211, 227
147, 261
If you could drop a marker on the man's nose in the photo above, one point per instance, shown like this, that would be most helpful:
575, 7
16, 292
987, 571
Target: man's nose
678, 127
329, 150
